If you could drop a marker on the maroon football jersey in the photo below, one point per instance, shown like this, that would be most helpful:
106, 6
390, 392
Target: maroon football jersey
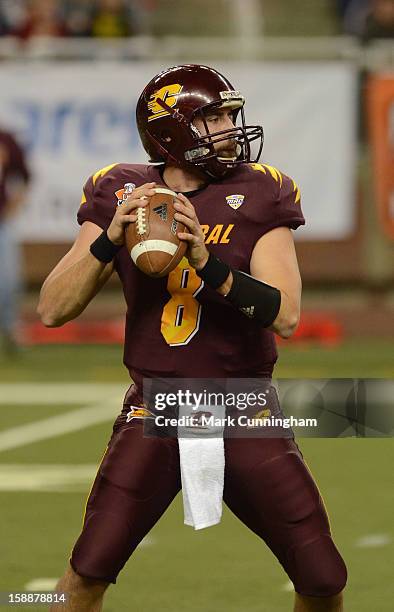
176, 326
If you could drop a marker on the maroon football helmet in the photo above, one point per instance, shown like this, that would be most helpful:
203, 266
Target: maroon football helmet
166, 110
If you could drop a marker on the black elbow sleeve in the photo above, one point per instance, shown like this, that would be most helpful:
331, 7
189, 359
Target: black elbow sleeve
252, 297
255, 299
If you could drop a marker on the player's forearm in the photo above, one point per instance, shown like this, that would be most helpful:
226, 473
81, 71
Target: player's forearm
65, 295
288, 317
270, 306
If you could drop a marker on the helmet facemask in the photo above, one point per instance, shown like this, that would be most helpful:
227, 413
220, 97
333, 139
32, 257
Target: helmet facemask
204, 153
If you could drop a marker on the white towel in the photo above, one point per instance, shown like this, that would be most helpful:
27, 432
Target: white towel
201, 453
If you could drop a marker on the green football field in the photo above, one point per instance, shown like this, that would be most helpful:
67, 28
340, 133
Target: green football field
57, 405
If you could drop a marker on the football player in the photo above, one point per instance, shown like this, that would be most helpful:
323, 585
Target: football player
14, 180
238, 216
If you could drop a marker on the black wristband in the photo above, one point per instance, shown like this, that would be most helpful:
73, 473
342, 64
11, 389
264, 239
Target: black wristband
103, 249
215, 272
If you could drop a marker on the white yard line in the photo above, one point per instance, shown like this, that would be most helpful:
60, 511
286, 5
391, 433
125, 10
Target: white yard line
45, 394
41, 584
46, 477
61, 424
374, 540
105, 402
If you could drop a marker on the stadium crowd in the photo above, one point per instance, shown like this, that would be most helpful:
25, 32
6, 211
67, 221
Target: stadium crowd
367, 19
26, 19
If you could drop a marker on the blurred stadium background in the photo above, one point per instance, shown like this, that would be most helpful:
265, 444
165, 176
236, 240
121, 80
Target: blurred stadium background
319, 76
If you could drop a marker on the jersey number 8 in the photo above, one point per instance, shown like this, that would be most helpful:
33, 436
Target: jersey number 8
180, 319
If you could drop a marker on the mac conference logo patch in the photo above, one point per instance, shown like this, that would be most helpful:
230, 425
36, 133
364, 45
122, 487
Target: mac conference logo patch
235, 200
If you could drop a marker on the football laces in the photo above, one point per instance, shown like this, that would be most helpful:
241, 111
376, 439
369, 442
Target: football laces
141, 221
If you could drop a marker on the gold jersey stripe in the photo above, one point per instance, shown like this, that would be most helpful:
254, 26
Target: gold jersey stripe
258, 167
274, 172
276, 175
102, 172
96, 176
296, 189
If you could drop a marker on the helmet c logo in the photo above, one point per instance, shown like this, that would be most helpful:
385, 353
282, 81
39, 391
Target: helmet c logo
169, 94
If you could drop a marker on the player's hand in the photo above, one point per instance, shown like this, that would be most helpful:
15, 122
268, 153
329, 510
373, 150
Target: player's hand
124, 213
197, 253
